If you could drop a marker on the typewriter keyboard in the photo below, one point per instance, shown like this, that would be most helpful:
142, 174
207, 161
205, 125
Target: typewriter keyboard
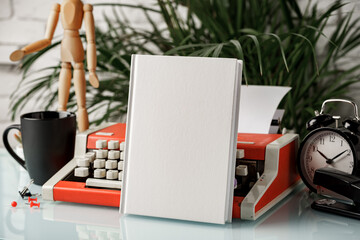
102, 167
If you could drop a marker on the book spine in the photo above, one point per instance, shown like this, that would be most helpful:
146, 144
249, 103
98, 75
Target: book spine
233, 140
127, 136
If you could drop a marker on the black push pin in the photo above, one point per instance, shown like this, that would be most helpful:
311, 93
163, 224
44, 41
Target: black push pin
25, 192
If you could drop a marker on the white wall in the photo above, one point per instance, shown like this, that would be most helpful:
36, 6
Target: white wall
23, 21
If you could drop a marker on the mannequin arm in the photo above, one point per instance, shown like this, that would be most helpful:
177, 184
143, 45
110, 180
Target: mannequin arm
41, 44
91, 47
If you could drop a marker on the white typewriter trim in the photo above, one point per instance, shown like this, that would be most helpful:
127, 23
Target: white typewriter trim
80, 150
271, 167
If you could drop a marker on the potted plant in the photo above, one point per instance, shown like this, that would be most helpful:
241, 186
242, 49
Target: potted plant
279, 43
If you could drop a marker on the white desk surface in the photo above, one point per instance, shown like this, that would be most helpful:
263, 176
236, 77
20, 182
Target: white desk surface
292, 219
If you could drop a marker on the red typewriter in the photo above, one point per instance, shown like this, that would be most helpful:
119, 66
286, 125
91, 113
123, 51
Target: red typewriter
265, 171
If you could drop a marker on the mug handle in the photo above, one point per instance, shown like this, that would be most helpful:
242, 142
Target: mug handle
9, 148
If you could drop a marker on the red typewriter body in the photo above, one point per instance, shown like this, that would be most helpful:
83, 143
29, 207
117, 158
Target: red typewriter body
268, 158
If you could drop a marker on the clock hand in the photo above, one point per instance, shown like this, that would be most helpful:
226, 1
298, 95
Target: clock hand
327, 159
332, 160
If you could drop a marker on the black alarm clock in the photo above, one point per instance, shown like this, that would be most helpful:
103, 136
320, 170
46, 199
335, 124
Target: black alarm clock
330, 145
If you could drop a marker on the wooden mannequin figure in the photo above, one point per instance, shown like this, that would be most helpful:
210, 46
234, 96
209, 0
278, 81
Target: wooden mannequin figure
72, 53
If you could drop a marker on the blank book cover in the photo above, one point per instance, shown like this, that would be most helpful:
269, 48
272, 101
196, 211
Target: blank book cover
181, 138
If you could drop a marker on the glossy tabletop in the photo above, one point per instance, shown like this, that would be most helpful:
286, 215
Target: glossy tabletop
292, 218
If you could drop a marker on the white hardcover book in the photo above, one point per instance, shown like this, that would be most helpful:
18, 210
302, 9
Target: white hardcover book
181, 138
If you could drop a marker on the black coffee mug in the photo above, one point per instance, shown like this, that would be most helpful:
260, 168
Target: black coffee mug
48, 140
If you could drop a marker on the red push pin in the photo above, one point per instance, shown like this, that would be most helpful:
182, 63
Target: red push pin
32, 199
13, 203
32, 204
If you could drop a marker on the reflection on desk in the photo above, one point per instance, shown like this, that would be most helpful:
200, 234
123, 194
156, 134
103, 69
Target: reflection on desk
291, 219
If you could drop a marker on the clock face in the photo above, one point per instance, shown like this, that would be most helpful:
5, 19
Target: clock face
324, 148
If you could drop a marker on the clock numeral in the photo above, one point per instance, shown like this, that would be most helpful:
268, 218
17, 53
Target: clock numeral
312, 170
309, 158
314, 148
348, 153
332, 138
322, 141
351, 165
341, 143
